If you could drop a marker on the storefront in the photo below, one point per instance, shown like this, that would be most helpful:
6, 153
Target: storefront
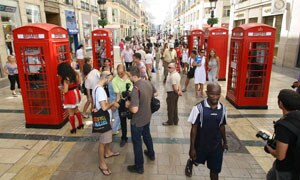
10, 19
86, 25
275, 20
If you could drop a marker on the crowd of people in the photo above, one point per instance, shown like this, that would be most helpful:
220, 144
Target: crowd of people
127, 92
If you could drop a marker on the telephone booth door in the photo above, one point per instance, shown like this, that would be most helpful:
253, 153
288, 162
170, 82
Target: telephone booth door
217, 38
39, 48
102, 47
196, 40
250, 64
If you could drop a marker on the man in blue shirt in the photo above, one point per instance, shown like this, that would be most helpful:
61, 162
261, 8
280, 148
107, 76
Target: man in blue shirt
208, 139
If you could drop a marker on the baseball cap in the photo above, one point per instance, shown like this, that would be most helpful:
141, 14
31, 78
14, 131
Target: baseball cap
171, 45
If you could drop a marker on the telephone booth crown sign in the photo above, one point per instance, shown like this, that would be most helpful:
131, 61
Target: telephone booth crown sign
250, 64
102, 47
217, 38
39, 48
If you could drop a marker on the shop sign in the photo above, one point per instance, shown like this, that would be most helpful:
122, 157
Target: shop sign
71, 22
7, 8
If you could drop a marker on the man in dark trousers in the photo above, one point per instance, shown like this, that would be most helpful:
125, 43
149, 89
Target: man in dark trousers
208, 139
139, 106
287, 163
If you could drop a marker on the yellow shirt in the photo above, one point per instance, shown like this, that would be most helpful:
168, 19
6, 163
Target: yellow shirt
169, 55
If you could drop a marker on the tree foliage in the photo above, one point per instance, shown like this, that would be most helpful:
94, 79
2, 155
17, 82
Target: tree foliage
212, 21
102, 22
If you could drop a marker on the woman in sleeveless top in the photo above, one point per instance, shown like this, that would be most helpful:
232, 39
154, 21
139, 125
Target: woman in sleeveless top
70, 80
213, 66
11, 69
185, 57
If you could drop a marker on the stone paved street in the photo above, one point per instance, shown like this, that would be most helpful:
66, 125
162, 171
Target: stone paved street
56, 154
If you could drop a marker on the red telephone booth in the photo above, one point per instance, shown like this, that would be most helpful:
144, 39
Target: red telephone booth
250, 64
196, 40
39, 48
102, 47
217, 38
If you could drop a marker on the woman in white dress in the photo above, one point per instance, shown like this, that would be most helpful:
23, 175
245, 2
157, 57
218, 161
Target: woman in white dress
200, 74
185, 57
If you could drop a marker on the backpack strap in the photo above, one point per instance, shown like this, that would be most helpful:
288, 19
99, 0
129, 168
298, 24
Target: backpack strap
95, 97
290, 127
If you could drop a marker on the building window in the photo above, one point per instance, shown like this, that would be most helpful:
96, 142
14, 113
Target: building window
226, 11
69, 2
253, 20
33, 13
239, 22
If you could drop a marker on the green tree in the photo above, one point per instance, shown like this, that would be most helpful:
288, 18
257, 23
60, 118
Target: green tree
102, 22
212, 21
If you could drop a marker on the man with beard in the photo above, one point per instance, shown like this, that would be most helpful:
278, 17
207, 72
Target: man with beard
208, 139
119, 85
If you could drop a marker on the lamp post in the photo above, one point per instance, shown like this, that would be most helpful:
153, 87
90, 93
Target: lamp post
213, 4
103, 21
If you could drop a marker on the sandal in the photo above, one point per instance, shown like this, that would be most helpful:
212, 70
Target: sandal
189, 168
105, 172
112, 155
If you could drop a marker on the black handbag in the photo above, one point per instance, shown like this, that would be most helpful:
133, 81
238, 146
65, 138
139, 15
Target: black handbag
155, 104
101, 120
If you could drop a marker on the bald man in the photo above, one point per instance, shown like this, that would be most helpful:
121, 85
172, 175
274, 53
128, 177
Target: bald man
173, 89
208, 139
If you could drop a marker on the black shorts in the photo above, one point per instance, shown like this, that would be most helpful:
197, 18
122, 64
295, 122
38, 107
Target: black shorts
214, 160
191, 73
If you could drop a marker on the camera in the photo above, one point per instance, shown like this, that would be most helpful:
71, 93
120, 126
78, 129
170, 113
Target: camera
126, 96
270, 141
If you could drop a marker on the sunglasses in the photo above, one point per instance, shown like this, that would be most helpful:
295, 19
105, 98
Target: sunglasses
170, 67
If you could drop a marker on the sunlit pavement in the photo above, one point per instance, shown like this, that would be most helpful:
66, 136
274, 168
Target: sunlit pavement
56, 154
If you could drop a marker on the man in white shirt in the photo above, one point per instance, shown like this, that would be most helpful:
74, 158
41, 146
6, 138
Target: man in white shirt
126, 56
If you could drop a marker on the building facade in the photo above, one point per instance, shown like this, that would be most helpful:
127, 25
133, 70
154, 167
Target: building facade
193, 14
278, 14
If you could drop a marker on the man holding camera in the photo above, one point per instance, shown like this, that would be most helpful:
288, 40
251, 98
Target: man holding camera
140, 107
119, 85
287, 163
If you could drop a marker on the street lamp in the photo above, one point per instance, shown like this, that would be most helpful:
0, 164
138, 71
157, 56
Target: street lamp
102, 8
213, 4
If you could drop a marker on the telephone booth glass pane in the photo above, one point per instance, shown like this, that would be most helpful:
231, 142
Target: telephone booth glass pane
62, 53
35, 79
100, 50
256, 70
196, 43
234, 58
